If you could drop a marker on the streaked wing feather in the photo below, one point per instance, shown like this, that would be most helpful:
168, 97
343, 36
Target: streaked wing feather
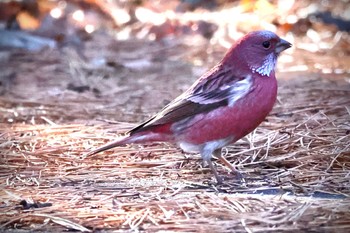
173, 113
207, 94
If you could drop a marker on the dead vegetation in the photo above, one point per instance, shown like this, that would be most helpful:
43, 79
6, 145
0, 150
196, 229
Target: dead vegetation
296, 167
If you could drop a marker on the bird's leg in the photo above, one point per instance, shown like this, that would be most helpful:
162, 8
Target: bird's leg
215, 172
217, 154
206, 156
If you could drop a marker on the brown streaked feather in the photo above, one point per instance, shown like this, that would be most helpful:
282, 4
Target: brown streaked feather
205, 95
178, 112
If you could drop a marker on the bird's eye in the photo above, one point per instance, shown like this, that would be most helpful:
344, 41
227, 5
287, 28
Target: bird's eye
266, 44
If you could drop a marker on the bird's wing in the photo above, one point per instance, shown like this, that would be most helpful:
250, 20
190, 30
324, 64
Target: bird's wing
217, 88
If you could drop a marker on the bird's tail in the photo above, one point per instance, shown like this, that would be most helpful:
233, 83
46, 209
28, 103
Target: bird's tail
119, 142
143, 137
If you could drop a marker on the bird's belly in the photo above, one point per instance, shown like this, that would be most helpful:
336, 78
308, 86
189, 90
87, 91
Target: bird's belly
209, 145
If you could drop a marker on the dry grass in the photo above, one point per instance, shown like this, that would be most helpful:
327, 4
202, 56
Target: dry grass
296, 165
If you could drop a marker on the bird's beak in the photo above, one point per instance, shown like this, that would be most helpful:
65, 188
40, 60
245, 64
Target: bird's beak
282, 45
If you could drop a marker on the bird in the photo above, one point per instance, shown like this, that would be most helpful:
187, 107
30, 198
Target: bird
225, 104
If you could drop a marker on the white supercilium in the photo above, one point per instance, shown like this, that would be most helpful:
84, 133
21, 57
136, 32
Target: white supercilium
267, 66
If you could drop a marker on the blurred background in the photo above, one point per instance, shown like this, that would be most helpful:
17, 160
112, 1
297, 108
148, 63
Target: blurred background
113, 52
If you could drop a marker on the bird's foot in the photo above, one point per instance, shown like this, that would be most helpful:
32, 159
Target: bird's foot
239, 176
219, 180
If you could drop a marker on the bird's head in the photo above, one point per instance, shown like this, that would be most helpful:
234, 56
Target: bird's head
257, 52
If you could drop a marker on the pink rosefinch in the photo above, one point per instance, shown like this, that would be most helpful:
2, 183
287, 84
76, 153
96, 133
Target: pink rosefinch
222, 106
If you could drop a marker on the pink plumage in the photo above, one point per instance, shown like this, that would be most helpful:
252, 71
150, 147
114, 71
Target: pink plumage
222, 106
